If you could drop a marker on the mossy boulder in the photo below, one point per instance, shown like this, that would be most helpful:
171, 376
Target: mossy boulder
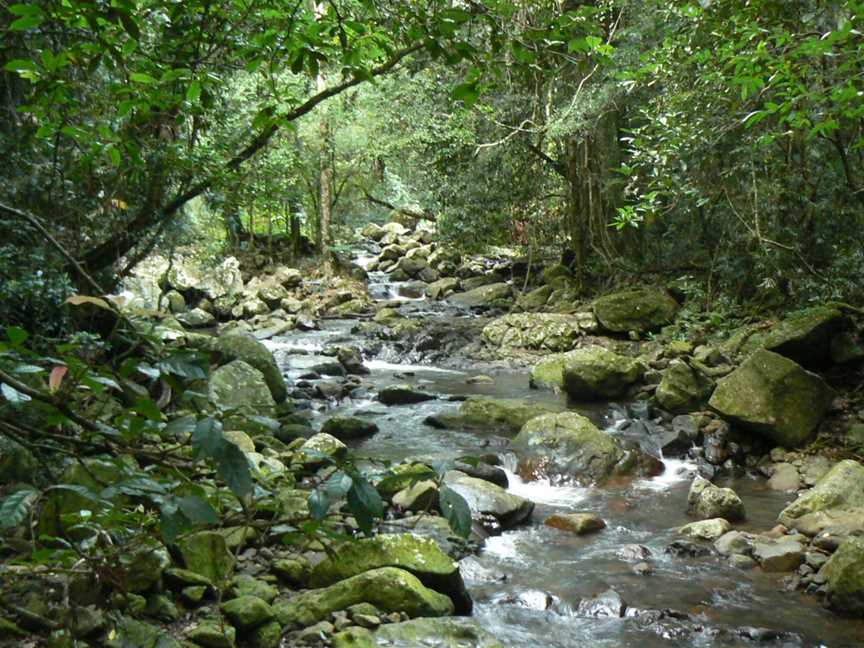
707, 501
431, 633
389, 589
402, 395
538, 331
206, 553
536, 299
239, 385
420, 556
319, 449
505, 415
246, 612
349, 427
804, 336
773, 397
682, 388
845, 574
593, 372
568, 447
642, 310
841, 487
484, 297
144, 566
255, 354
486, 498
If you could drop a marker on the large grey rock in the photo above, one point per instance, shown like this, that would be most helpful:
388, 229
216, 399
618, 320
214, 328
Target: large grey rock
780, 555
484, 296
682, 388
568, 447
706, 501
593, 372
254, 353
538, 331
485, 498
506, 415
845, 575
451, 632
238, 385
774, 397
841, 487
442, 288
641, 310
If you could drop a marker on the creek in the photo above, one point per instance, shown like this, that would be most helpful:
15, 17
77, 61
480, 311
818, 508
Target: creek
528, 582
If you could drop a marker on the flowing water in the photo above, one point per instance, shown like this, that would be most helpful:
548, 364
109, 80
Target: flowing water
528, 582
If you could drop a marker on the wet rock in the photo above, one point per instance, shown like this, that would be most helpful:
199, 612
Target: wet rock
420, 556
608, 604
245, 612
493, 414
840, 487
254, 353
773, 397
238, 385
643, 568
578, 523
845, 578
206, 553
486, 498
687, 549
593, 372
196, 318
539, 331
422, 496
784, 478
482, 470
567, 446
706, 501
440, 633
352, 360
387, 588
316, 450
442, 288
740, 561
781, 555
484, 297
633, 552
348, 428
682, 388
402, 395
641, 310
838, 522
706, 529
734, 542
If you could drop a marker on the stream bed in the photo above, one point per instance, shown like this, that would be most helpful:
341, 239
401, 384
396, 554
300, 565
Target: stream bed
528, 583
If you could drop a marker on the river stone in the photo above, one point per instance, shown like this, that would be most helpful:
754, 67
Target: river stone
347, 428
538, 331
804, 336
773, 397
452, 632
247, 612
442, 288
593, 372
706, 501
484, 497
567, 446
144, 565
840, 487
734, 542
536, 299
682, 388
782, 555
422, 496
578, 523
254, 353
196, 318
206, 553
842, 522
706, 529
845, 578
212, 634
608, 604
420, 556
388, 588
641, 310
483, 297
316, 450
402, 395
505, 415
238, 385
784, 478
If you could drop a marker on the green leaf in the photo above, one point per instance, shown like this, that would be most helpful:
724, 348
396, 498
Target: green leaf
17, 65
181, 426
194, 92
141, 77
207, 438
28, 22
16, 335
197, 510
13, 395
319, 504
338, 485
28, 369
455, 510
15, 508
233, 467
186, 364
147, 408
25, 10
467, 93
365, 503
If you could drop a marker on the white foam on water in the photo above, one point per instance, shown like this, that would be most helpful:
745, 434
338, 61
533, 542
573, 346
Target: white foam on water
381, 365
542, 491
676, 471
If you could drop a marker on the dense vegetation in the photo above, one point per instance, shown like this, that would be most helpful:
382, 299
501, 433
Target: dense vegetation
714, 147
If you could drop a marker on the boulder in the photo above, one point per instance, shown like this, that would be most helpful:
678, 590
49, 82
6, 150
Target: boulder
506, 415
176, 302
706, 501
347, 428
288, 277
453, 632
706, 529
483, 297
254, 353
206, 553
568, 447
316, 450
682, 388
784, 477
247, 612
422, 496
402, 395
419, 556
536, 299
442, 288
388, 588
538, 331
239, 385
196, 318
485, 498
841, 487
373, 231
593, 372
773, 397
641, 310
845, 578
778, 555
804, 336
578, 523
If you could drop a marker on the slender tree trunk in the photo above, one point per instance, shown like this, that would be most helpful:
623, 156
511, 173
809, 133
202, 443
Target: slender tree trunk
576, 213
325, 175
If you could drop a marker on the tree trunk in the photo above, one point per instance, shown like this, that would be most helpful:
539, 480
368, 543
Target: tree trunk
576, 213
325, 175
